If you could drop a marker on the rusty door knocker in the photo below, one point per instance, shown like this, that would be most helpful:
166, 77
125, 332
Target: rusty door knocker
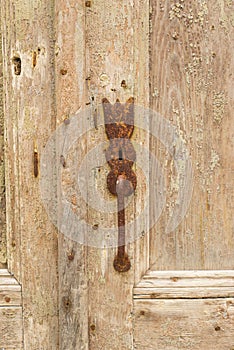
120, 155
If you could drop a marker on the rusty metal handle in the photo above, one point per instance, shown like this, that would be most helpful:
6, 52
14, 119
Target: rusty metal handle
121, 180
121, 262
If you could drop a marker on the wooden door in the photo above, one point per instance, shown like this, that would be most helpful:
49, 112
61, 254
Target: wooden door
185, 300
60, 59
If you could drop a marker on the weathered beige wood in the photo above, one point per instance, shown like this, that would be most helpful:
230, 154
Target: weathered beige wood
101, 51
8, 280
191, 66
185, 284
2, 171
29, 120
70, 98
188, 274
184, 324
10, 295
183, 292
10, 290
11, 335
188, 278
181, 279
191, 85
117, 67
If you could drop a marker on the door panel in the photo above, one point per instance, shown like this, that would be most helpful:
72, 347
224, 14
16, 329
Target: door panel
171, 324
191, 86
184, 310
191, 66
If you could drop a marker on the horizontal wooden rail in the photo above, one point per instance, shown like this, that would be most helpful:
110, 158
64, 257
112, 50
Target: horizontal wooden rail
185, 284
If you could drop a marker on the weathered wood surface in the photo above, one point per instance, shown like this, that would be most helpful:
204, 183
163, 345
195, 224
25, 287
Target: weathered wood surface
11, 320
11, 329
184, 324
81, 71
10, 295
10, 290
186, 275
191, 78
190, 84
2, 171
185, 284
117, 64
70, 98
28, 51
72, 55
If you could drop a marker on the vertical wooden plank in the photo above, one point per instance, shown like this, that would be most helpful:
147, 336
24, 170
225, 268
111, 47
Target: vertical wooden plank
2, 171
191, 73
11, 146
117, 67
28, 48
141, 15
70, 98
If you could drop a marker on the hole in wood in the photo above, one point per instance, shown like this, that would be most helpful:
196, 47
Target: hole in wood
123, 84
71, 255
16, 60
92, 327
88, 3
66, 303
63, 71
34, 59
63, 161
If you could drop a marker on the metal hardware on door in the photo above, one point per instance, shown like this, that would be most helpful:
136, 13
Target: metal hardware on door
120, 155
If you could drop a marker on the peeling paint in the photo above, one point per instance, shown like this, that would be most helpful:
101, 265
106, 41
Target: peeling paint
214, 162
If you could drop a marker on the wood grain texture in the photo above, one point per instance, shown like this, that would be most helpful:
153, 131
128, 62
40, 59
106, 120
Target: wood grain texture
64, 57
28, 50
191, 68
2, 170
10, 290
10, 295
11, 325
191, 85
11, 330
117, 67
70, 98
184, 324
185, 284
